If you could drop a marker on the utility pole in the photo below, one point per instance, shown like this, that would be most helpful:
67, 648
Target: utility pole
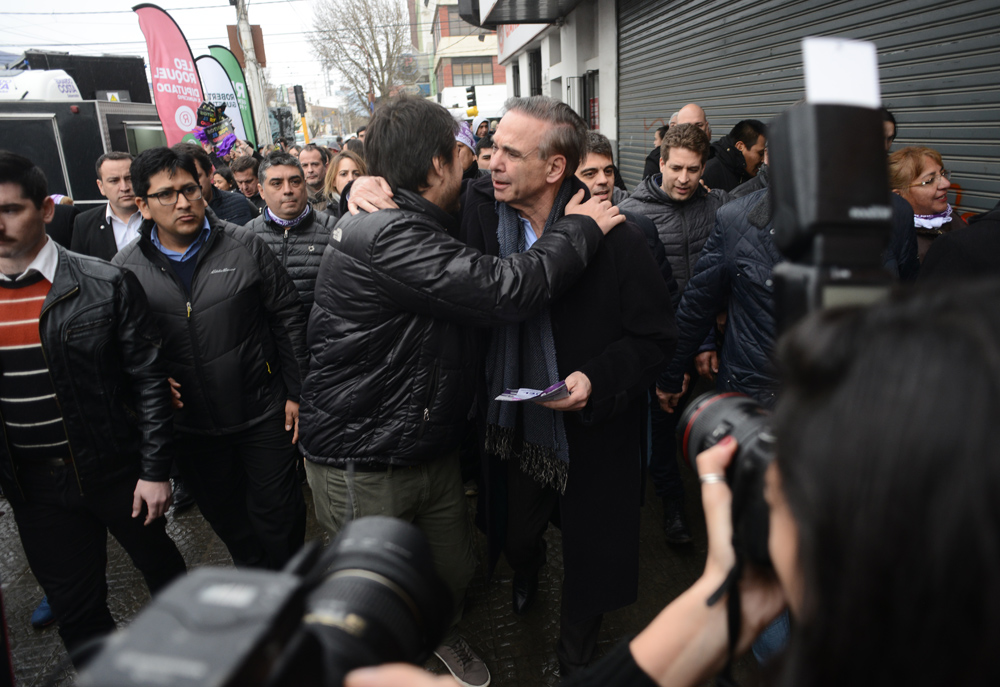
255, 84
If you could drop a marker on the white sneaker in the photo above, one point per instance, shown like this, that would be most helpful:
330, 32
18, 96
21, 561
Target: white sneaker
463, 663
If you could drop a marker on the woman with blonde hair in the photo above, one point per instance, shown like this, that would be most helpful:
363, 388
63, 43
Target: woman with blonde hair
345, 168
918, 175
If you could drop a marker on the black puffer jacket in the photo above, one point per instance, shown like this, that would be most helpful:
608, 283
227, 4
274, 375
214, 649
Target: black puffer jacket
299, 249
237, 344
735, 266
392, 353
683, 226
106, 363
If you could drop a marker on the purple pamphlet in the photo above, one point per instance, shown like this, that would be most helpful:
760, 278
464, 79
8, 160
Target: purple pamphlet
554, 393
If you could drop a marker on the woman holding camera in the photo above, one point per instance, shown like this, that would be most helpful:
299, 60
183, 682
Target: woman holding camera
884, 516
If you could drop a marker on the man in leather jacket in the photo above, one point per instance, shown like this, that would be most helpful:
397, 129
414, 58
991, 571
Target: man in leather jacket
234, 347
393, 345
85, 409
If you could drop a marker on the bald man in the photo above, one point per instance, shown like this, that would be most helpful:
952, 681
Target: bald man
689, 114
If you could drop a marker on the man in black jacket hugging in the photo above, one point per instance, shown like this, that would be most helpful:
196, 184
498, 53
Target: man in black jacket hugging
393, 348
234, 345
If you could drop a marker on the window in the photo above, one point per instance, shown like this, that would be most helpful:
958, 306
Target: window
515, 74
472, 71
535, 72
459, 27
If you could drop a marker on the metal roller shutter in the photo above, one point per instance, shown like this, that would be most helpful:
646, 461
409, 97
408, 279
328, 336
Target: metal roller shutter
939, 65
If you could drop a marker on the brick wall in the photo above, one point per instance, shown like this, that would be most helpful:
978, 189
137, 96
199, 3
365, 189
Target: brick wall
447, 77
499, 73
443, 21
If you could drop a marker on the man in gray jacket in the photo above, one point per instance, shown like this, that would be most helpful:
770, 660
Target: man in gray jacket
684, 214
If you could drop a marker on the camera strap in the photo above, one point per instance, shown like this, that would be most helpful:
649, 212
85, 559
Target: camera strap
731, 587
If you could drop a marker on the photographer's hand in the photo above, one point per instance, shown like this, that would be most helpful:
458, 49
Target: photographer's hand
687, 643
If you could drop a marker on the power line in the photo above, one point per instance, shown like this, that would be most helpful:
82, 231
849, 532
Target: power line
174, 9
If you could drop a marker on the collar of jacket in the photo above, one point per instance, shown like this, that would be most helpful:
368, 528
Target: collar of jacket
65, 281
408, 200
304, 224
729, 155
760, 213
151, 251
654, 192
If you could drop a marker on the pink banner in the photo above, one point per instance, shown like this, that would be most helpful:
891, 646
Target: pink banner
176, 87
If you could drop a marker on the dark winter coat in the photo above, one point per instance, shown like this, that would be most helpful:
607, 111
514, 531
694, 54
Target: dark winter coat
727, 169
106, 363
233, 207
683, 226
393, 354
299, 249
735, 268
614, 325
968, 254
652, 164
899, 256
236, 344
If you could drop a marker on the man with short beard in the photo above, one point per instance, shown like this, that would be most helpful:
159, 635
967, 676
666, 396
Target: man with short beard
314, 160
393, 354
684, 214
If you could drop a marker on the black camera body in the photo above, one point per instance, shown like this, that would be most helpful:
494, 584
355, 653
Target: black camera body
707, 421
373, 597
831, 209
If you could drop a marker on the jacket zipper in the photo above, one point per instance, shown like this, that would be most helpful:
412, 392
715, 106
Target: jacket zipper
196, 352
48, 368
284, 249
430, 399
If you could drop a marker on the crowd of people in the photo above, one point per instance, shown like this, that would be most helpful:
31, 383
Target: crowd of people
222, 329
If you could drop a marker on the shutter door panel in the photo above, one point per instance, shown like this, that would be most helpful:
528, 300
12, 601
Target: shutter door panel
939, 66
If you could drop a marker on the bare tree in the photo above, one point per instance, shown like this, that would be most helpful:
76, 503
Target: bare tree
365, 41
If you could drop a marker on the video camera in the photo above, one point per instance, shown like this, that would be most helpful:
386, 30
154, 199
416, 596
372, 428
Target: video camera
372, 597
831, 212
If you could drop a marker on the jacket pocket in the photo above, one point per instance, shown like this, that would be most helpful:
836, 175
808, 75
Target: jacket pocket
757, 275
429, 402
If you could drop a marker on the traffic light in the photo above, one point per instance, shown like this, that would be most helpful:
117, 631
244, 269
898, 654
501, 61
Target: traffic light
300, 100
470, 100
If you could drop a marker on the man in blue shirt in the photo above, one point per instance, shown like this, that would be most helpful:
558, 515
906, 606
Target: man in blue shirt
234, 344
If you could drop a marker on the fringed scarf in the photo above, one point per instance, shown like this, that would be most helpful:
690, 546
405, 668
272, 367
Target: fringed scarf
524, 355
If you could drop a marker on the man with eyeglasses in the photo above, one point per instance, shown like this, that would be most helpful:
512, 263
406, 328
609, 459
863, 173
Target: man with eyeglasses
234, 346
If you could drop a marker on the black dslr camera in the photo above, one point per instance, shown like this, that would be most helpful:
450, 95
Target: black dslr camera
830, 201
372, 597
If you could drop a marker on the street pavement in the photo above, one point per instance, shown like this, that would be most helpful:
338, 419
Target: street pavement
518, 650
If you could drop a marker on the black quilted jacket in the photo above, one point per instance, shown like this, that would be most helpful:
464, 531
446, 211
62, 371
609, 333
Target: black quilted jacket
735, 264
392, 349
299, 249
683, 226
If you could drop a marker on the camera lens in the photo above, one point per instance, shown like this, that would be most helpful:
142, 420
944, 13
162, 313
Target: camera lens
381, 601
706, 421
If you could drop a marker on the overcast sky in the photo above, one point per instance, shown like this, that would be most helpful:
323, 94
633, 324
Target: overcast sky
100, 27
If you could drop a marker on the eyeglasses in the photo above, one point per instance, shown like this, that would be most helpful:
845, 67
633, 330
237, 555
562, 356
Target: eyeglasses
934, 179
169, 197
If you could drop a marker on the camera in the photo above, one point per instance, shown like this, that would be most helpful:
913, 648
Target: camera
708, 420
372, 597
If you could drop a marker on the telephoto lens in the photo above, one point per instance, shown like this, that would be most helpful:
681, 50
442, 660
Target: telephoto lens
709, 419
381, 601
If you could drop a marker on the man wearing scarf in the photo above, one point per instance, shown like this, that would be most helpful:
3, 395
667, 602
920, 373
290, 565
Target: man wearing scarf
289, 225
574, 461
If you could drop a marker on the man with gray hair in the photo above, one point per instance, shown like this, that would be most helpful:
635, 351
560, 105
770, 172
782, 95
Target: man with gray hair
394, 349
296, 232
577, 459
